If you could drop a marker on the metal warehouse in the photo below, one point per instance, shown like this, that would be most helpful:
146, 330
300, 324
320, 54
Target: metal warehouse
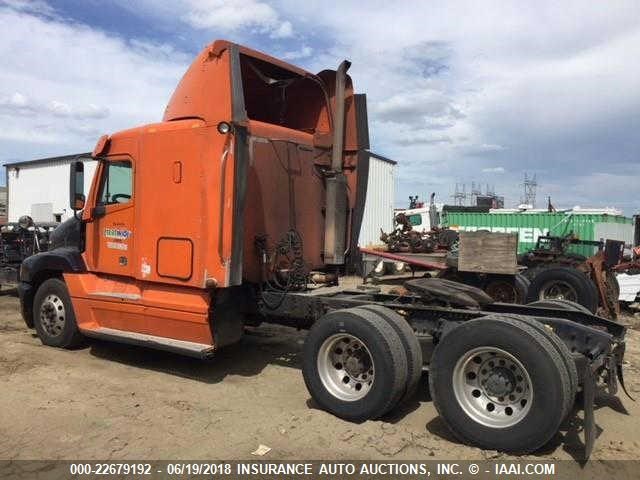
40, 188
378, 210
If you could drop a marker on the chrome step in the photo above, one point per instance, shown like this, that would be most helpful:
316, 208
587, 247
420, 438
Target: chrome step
191, 349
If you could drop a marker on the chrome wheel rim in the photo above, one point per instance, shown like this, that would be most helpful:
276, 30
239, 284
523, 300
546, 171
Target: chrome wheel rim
52, 315
346, 367
379, 268
492, 387
558, 290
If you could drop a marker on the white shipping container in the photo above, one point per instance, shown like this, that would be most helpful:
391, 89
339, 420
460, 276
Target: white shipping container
40, 188
378, 210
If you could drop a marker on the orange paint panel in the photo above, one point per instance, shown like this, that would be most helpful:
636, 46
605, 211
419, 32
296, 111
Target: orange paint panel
88, 285
137, 318
143, 307
175, 258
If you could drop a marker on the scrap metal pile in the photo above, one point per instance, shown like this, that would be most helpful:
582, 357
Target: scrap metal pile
407, 240
19, 241
557, 273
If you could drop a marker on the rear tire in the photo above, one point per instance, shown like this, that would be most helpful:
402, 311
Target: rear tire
352, 347
411, 345
53, 315
565, 282
507, 288
561, 305
528, 376
562, 350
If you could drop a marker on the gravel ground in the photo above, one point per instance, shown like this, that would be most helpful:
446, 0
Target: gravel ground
109, 401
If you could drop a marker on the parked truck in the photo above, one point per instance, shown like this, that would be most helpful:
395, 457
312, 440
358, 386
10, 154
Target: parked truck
243, 206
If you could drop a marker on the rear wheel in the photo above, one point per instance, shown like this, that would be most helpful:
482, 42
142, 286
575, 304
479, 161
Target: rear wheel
53, 315
499, 384
354, 364
560, 305
564, 283
507, 288
561, 348
410, 343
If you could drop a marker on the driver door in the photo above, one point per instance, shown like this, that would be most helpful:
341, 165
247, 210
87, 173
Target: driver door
110, 239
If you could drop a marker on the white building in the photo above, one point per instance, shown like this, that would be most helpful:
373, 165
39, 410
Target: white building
40, 188
378, 209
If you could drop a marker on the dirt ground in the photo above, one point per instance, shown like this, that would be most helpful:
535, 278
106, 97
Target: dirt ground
109, 401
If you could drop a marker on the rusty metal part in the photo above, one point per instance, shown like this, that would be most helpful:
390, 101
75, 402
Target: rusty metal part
598, 273
405, 258
553, 251
323, 277
502, 290
405, 239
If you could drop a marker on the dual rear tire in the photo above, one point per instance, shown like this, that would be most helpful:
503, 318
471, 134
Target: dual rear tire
502, 383
499, 382
360, 363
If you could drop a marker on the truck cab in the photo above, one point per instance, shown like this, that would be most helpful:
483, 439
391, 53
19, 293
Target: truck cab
251, 152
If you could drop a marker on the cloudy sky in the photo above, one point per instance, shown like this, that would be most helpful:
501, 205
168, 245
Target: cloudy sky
457, 91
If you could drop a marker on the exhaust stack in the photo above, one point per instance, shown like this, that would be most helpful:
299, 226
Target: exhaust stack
336, 182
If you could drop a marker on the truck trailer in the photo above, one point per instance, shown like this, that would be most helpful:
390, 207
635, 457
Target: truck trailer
242, 206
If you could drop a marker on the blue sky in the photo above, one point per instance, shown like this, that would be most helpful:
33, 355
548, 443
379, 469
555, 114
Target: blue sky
457, 91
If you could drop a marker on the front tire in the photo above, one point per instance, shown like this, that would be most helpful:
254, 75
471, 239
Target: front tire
499, 384
53, 315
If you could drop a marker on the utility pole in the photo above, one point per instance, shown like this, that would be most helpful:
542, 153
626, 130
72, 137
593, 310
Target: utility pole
530, 185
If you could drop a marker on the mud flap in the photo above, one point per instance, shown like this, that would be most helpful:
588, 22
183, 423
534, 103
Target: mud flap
621, 381
589, 394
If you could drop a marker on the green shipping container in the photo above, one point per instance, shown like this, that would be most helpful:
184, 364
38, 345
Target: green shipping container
530, 226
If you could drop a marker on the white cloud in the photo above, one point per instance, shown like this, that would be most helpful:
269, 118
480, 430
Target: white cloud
493, 170
39, 7
550, 88
63, 84
453, 88
304, 52
231, 15
284, 30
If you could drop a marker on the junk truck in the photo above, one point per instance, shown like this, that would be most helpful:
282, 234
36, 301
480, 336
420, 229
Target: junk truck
244, 206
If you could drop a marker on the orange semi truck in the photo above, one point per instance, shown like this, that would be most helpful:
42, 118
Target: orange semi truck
244, 206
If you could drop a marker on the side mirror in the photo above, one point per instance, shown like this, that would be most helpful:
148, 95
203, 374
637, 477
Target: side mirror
76, 186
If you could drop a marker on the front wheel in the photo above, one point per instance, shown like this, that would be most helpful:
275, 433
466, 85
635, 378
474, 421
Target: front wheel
499, 384
53, 315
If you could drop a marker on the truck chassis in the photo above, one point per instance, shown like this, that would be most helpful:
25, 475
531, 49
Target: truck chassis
593, 347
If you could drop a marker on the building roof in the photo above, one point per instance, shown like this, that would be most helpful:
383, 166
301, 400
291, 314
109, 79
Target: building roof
64, 158
384, 159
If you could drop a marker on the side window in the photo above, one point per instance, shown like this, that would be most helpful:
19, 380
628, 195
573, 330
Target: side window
415, 220
116, 185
